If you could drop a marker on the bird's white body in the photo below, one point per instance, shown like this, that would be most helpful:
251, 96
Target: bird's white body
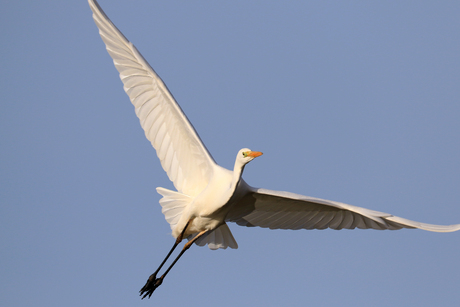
209, 209
208, 195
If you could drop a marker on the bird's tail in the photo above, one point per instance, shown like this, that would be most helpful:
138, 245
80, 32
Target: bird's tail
220, 237
173, 204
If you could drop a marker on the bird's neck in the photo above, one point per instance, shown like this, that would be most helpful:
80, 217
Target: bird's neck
237, 173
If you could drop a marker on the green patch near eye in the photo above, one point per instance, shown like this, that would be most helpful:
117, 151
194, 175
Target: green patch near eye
245, 154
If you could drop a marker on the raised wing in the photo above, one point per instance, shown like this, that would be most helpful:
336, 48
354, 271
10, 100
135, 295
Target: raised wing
179, 148
283, 210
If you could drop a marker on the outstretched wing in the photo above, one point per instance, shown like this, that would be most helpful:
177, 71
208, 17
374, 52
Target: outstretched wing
182, 154
283, 210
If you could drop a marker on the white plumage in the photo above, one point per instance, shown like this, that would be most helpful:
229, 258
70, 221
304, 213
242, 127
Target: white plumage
208, 195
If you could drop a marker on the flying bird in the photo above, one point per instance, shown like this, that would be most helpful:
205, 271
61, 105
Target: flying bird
208, 195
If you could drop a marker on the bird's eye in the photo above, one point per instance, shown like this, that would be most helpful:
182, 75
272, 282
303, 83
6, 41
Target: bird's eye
245, 154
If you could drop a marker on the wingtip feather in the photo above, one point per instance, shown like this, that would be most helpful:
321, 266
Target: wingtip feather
428, 227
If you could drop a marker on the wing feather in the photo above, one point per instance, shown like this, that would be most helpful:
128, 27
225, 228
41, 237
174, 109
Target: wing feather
283, 210
182, 154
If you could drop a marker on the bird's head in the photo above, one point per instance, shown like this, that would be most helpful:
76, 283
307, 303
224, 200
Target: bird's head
246, 155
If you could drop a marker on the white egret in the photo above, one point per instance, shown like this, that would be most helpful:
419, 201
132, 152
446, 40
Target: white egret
208, 195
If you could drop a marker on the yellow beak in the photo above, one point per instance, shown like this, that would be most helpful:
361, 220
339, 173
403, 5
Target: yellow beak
255, 154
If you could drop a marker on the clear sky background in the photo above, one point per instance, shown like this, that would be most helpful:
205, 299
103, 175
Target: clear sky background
353, 101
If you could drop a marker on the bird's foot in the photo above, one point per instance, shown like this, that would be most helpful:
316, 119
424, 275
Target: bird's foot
152, 283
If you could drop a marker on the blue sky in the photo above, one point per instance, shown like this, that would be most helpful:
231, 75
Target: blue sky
351, 101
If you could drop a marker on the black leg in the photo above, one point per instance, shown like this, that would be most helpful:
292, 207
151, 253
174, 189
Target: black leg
153, 282
187, 245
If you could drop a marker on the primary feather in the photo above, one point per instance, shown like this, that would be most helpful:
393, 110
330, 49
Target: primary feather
182, 154
283, 210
